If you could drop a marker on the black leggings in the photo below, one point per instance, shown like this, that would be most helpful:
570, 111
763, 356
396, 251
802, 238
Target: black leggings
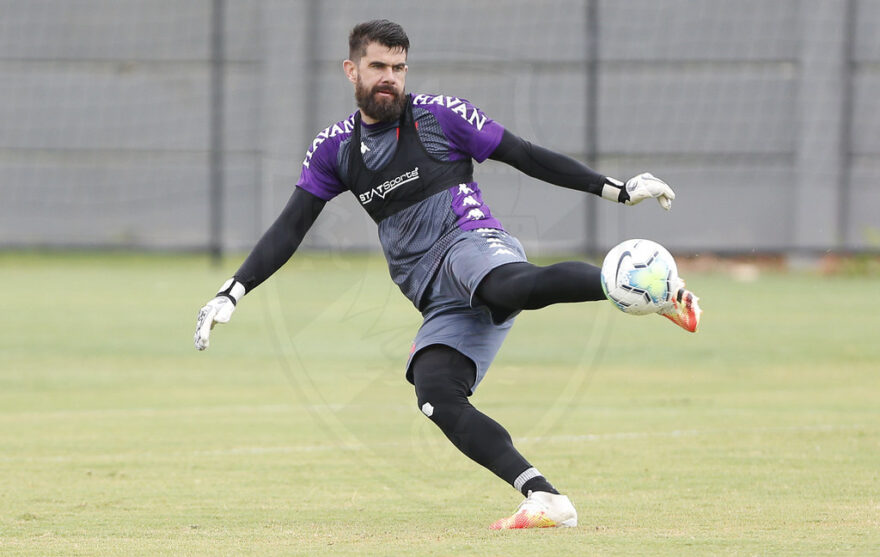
517, 286
443, 378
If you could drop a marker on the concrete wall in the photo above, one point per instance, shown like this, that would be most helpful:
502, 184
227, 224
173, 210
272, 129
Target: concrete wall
762, 115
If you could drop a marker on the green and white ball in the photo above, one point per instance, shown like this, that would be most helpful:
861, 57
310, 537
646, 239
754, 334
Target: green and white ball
639, 277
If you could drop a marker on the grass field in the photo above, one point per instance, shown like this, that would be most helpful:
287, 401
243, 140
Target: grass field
295, 433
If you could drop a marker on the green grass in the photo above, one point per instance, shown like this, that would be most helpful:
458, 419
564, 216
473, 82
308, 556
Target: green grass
295, 433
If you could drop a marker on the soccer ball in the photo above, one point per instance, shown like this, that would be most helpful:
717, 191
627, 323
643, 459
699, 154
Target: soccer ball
639, 277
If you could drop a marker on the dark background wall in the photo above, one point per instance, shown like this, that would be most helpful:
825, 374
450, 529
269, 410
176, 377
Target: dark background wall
764, 116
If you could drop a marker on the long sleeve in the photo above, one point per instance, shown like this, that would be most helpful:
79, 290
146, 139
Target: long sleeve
547, 165
281, 240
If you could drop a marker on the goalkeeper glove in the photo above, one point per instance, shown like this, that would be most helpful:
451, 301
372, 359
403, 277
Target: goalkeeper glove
217, 310
637, 189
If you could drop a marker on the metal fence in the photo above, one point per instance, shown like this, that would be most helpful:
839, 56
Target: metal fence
159, 124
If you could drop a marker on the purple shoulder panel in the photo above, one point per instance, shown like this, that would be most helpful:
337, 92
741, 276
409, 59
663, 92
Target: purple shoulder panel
319, 175
468, 129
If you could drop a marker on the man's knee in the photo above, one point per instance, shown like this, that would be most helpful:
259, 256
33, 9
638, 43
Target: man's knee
443, 378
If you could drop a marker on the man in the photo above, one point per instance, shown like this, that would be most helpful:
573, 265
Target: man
408, 160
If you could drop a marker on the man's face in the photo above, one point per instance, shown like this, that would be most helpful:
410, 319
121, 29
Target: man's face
379, 79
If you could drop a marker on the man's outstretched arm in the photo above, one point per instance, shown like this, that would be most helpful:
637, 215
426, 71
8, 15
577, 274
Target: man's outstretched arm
281, 240
561, 170
273, 250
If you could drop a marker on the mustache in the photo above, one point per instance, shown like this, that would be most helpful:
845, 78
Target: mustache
384, 89
378, 107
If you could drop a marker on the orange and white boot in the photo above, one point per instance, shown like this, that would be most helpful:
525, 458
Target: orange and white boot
684, 310
540, 509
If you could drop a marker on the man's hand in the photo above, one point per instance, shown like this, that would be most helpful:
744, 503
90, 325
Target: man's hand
645, 186
218, 310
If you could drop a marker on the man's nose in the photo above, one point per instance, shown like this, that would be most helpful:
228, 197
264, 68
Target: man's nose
388, 75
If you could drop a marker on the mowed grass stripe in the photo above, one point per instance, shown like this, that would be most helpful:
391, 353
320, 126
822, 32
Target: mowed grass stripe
758, 435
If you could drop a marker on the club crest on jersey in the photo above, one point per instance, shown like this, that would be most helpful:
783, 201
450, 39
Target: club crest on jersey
388, 186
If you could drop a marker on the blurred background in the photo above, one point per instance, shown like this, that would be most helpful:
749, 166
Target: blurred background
139, 136
182, 125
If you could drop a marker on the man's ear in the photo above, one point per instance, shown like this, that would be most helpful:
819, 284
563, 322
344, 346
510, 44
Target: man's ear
350, 69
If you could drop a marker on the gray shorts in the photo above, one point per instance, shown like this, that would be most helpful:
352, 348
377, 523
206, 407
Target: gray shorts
452, 315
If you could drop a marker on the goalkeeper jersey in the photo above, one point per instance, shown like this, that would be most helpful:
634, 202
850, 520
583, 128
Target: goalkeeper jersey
413, 176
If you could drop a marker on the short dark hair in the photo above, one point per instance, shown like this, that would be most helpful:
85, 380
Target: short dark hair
386, 33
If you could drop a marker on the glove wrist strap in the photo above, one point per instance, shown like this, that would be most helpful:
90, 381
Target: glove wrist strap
233, 290
613, 190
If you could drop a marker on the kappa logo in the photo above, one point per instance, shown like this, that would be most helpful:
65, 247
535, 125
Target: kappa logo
388, 186
499, 247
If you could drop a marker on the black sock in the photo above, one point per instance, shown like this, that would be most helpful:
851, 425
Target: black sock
538, 483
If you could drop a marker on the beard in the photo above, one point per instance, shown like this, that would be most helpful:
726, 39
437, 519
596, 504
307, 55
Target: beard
379, 108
